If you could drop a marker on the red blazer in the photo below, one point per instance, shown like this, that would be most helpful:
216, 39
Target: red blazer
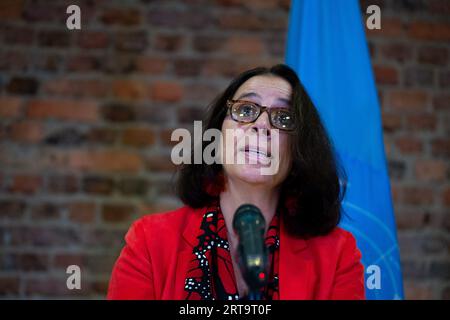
153, 264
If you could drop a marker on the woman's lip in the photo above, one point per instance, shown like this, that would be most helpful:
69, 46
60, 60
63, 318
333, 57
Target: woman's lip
258, 157
257, 151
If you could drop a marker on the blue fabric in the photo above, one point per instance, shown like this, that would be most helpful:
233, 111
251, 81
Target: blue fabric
327, 48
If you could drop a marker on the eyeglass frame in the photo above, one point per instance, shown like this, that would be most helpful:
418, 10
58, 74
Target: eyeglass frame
262, 109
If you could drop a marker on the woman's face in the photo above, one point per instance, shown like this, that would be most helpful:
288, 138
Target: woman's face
265, 90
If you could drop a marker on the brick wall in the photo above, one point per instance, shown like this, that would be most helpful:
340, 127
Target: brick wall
86, 117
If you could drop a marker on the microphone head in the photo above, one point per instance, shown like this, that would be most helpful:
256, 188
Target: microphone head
249, 225
248, 214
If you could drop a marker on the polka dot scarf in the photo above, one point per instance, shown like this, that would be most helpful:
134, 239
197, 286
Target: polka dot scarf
211, 274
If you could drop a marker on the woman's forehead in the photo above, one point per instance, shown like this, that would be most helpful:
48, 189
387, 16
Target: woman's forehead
265, 86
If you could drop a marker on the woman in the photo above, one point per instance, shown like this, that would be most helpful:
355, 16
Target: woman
191, 252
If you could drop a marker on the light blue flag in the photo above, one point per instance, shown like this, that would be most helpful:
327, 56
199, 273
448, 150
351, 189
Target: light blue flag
327, 48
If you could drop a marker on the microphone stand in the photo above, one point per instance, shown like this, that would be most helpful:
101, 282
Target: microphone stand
254, 295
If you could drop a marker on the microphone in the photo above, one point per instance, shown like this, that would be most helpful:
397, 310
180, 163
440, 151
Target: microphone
249, 225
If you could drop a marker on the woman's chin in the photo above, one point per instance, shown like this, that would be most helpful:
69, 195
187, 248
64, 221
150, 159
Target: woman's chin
253, 174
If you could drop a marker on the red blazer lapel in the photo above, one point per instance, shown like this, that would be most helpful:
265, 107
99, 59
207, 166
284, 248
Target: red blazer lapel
194, 219
295, 269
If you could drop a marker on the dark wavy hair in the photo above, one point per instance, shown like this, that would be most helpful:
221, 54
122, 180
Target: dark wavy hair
311, 193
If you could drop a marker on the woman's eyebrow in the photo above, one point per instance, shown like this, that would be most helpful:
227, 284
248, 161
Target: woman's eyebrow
254, 94
285, 101
249, 94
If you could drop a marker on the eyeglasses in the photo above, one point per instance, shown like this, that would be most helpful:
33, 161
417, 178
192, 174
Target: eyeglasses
248, 112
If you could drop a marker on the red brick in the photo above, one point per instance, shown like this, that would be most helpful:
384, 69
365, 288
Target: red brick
138, 137
390, 27
26, 131
151, 208
63, 260
106, 136
117, 212
108, 161
245, 45
11, 9
391, 122
201, 94
93, 40
100, 287
129, 89
68, 110
408, 100
116, 112
260, 5
12, 209
240, 21
446, 197
121, 16
23, 85
25, 183
188, 66
431, 170
385, 75
441, 102
50, 287
421, 122
133, 186
46, 12
33, 262
168, 42
433, 55
160, 163
395, 51
164, 137
409, 145
415, 290
82, 63
440, 7
54, 38
9, 284
423, 76
76, 88
118, 63
190, 114
62, 184
441, 147
151, 65
10, 107
395, 192
100, 185
82, 212
18, 35
429, 31
14, 60
444, 79
166, 91
417, 195
208, 43
410, 219
48, 62
131, 41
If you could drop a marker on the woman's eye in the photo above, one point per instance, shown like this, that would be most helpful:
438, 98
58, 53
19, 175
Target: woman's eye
283, 117
246, 110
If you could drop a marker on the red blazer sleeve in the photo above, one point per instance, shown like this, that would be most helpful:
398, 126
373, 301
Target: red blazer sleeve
349, 279
132, 273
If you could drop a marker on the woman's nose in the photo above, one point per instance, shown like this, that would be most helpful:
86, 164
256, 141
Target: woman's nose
262, 124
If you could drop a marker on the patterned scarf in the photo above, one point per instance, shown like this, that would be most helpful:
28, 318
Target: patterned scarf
211, 273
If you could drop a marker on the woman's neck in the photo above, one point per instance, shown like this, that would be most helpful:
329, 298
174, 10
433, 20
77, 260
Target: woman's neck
238, 193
